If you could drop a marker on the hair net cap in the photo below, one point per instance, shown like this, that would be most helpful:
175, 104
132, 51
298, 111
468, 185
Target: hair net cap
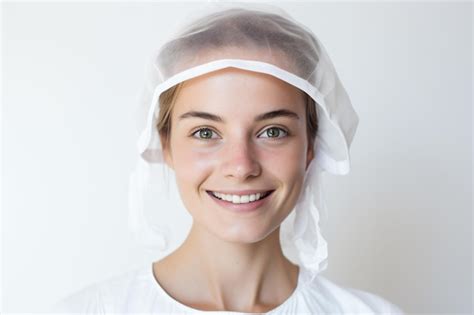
262, 39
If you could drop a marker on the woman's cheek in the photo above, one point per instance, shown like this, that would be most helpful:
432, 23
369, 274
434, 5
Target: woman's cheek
193, 160
288, 154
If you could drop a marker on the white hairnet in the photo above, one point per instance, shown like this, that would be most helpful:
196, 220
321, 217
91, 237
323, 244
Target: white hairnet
262, 39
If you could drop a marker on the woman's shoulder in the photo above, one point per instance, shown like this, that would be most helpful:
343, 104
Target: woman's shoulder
113, 294
338, 299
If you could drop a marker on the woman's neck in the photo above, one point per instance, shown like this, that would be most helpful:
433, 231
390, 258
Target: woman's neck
211, 274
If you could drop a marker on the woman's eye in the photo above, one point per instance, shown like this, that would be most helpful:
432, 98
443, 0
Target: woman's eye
274, 132
203, 133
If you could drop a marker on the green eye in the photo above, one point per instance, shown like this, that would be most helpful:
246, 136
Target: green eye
204, 133
274, 132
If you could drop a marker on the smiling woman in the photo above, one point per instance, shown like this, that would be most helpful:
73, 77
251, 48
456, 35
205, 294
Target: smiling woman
247, 111
212, 147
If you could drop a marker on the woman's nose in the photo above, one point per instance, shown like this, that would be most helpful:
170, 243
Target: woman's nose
240, 161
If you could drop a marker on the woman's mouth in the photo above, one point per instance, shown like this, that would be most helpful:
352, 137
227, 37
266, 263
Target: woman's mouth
240, 203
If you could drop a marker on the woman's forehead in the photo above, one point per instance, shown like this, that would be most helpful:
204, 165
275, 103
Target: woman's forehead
237, 87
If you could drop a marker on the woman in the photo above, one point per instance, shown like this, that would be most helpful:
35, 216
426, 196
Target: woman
247, 111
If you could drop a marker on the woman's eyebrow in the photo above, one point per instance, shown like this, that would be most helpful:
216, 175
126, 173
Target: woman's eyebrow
264, 116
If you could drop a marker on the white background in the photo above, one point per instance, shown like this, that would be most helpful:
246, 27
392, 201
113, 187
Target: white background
400, 224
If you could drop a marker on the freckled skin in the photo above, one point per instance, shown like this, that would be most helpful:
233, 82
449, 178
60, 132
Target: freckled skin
240, 155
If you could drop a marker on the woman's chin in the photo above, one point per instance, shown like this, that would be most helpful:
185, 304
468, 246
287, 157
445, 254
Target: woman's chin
244, 235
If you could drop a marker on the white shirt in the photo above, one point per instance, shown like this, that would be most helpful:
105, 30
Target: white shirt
138, 291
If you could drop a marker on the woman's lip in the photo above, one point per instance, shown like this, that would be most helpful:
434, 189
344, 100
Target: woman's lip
241, 192
241, 207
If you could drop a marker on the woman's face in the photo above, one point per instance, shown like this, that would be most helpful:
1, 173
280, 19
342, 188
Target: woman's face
218, 143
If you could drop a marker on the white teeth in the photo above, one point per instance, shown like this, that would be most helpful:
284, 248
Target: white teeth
235, 199
238, 199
